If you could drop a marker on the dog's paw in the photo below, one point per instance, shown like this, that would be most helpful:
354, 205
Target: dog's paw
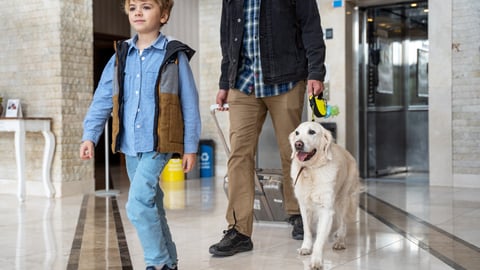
304, 251
316, 264
339, 245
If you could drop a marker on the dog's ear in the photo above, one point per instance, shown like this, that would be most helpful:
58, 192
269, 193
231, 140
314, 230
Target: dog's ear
327, 141
291, 140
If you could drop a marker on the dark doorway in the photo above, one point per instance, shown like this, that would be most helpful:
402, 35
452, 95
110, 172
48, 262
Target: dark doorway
110, 23
103, 51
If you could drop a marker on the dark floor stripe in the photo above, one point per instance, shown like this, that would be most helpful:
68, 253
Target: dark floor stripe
122, 240
74, 257
452, 250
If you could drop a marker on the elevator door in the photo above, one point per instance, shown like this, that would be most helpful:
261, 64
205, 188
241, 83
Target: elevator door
395, 91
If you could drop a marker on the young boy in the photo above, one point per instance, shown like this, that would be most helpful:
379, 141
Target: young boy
149, 89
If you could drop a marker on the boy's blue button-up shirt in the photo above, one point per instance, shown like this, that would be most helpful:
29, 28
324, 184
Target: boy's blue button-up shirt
141, 72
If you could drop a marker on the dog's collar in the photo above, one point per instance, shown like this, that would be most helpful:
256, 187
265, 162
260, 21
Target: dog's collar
298, 175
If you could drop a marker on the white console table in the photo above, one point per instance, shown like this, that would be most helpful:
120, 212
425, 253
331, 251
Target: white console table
20, 126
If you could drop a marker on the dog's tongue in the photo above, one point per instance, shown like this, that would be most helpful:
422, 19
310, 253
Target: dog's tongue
302, 156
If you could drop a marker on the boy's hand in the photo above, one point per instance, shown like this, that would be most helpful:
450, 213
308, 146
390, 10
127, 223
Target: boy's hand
188, 161
87, 150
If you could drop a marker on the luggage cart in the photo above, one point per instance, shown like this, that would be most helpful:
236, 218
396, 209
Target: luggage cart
268, 202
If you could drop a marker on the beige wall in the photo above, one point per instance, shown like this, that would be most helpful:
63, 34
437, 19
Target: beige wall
210, 57
335, 61
454, 93
183, 25
47, 63
466, 92
440, 98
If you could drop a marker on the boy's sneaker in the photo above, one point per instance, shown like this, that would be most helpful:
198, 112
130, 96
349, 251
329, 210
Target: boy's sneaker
165, 267
231, 243
297, 232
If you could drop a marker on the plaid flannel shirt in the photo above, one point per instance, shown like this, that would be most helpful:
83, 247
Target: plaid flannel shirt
250, 78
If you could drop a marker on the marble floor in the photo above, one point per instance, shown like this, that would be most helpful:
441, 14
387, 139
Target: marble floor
402, 223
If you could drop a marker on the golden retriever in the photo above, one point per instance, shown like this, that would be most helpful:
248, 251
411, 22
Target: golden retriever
327, 185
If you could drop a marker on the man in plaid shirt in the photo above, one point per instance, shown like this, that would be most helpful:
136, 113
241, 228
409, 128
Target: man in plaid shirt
272, 52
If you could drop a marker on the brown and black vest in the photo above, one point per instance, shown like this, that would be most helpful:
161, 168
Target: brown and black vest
168, 130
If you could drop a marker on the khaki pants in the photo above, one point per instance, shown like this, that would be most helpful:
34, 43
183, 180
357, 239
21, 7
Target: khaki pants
247, 116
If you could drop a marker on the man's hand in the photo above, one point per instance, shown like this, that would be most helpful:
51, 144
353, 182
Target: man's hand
314, 87
188, 161
222, 99
87, 150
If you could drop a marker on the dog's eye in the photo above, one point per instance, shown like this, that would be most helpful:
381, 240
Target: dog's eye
311, 132
296, 133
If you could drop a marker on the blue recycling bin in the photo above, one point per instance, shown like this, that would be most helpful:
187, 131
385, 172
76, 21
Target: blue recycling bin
207, 158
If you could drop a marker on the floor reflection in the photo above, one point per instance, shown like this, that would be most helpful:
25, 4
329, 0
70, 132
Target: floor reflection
174, 194
35, 230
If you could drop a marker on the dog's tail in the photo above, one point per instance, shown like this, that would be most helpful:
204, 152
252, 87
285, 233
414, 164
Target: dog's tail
354, 192
361, 186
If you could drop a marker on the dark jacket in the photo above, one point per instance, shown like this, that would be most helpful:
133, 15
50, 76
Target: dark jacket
291, 41
168, 112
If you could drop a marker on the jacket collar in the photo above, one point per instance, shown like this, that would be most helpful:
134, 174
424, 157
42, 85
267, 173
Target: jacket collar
160, 43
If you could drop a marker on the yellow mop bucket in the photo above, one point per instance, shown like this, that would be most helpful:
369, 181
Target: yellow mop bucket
173, 171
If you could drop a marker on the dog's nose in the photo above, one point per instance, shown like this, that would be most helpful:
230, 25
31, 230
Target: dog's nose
299, 145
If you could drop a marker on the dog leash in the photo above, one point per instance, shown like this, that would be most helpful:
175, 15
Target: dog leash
320, 107
298, 175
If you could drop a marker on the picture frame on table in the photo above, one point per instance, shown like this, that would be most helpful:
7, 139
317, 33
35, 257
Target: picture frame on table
14, 108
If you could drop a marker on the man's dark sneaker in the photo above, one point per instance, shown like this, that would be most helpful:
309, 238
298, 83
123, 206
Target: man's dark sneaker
231, 243
297, 232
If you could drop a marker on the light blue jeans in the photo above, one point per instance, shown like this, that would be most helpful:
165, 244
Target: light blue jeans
145, 208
